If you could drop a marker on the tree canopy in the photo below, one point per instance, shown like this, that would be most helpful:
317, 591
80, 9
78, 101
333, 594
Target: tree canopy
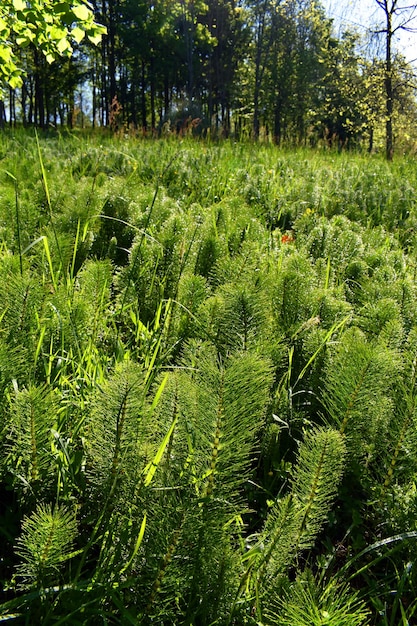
52, 26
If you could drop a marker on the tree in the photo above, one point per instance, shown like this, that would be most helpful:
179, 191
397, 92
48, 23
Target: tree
264, 33
230, 33
341, 112
397, 16
312, 36
288, 44
51, 26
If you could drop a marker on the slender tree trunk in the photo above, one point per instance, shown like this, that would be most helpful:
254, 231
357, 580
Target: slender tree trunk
277, 124
227, 123
39, 94
112, 53
389, 90
71, 109
256, 93
105, 113
94, 96
391, 8
166, 96
30, 111
24, 94
371, 140
104, 96
189, 47
210, 101
2, 114
12, 107
261, 58
132, 97
47, 109
81, 109
123, 99
143, 97
152, 81
95, 72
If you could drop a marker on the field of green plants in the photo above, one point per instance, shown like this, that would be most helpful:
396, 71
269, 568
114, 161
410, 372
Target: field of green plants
207, 384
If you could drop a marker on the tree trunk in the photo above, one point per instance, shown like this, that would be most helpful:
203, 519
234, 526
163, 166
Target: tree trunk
112, 53
12, 107
263, 48
371, 140
24, 94
30, 111
39, 93
166, 97
152, 81
389, 90
143, 97
2, 114
277, 124
132, 96
104, 96
256, 93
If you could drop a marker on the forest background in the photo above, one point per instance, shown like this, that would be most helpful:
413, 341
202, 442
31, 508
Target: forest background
272, 69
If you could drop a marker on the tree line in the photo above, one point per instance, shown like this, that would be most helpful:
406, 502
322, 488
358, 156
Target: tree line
245, 68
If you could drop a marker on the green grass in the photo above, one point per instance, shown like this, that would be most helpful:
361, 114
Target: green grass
207, 383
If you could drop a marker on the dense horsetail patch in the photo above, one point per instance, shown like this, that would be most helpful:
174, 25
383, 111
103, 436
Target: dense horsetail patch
208, 383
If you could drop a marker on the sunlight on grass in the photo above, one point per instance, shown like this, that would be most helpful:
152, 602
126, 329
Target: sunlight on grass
208, 383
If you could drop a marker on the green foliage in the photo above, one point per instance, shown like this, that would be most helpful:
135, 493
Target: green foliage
357, 391
29, 441
45, 544
296, 519
197, 416
307, 603
53, 27
115, 429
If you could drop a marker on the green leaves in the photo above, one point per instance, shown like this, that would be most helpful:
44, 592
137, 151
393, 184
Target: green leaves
19, 5
81, 12
78, 34
53, 26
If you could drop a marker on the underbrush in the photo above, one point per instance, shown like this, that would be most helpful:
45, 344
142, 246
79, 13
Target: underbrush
208, 384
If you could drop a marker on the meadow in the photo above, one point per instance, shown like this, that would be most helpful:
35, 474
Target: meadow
207, 384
